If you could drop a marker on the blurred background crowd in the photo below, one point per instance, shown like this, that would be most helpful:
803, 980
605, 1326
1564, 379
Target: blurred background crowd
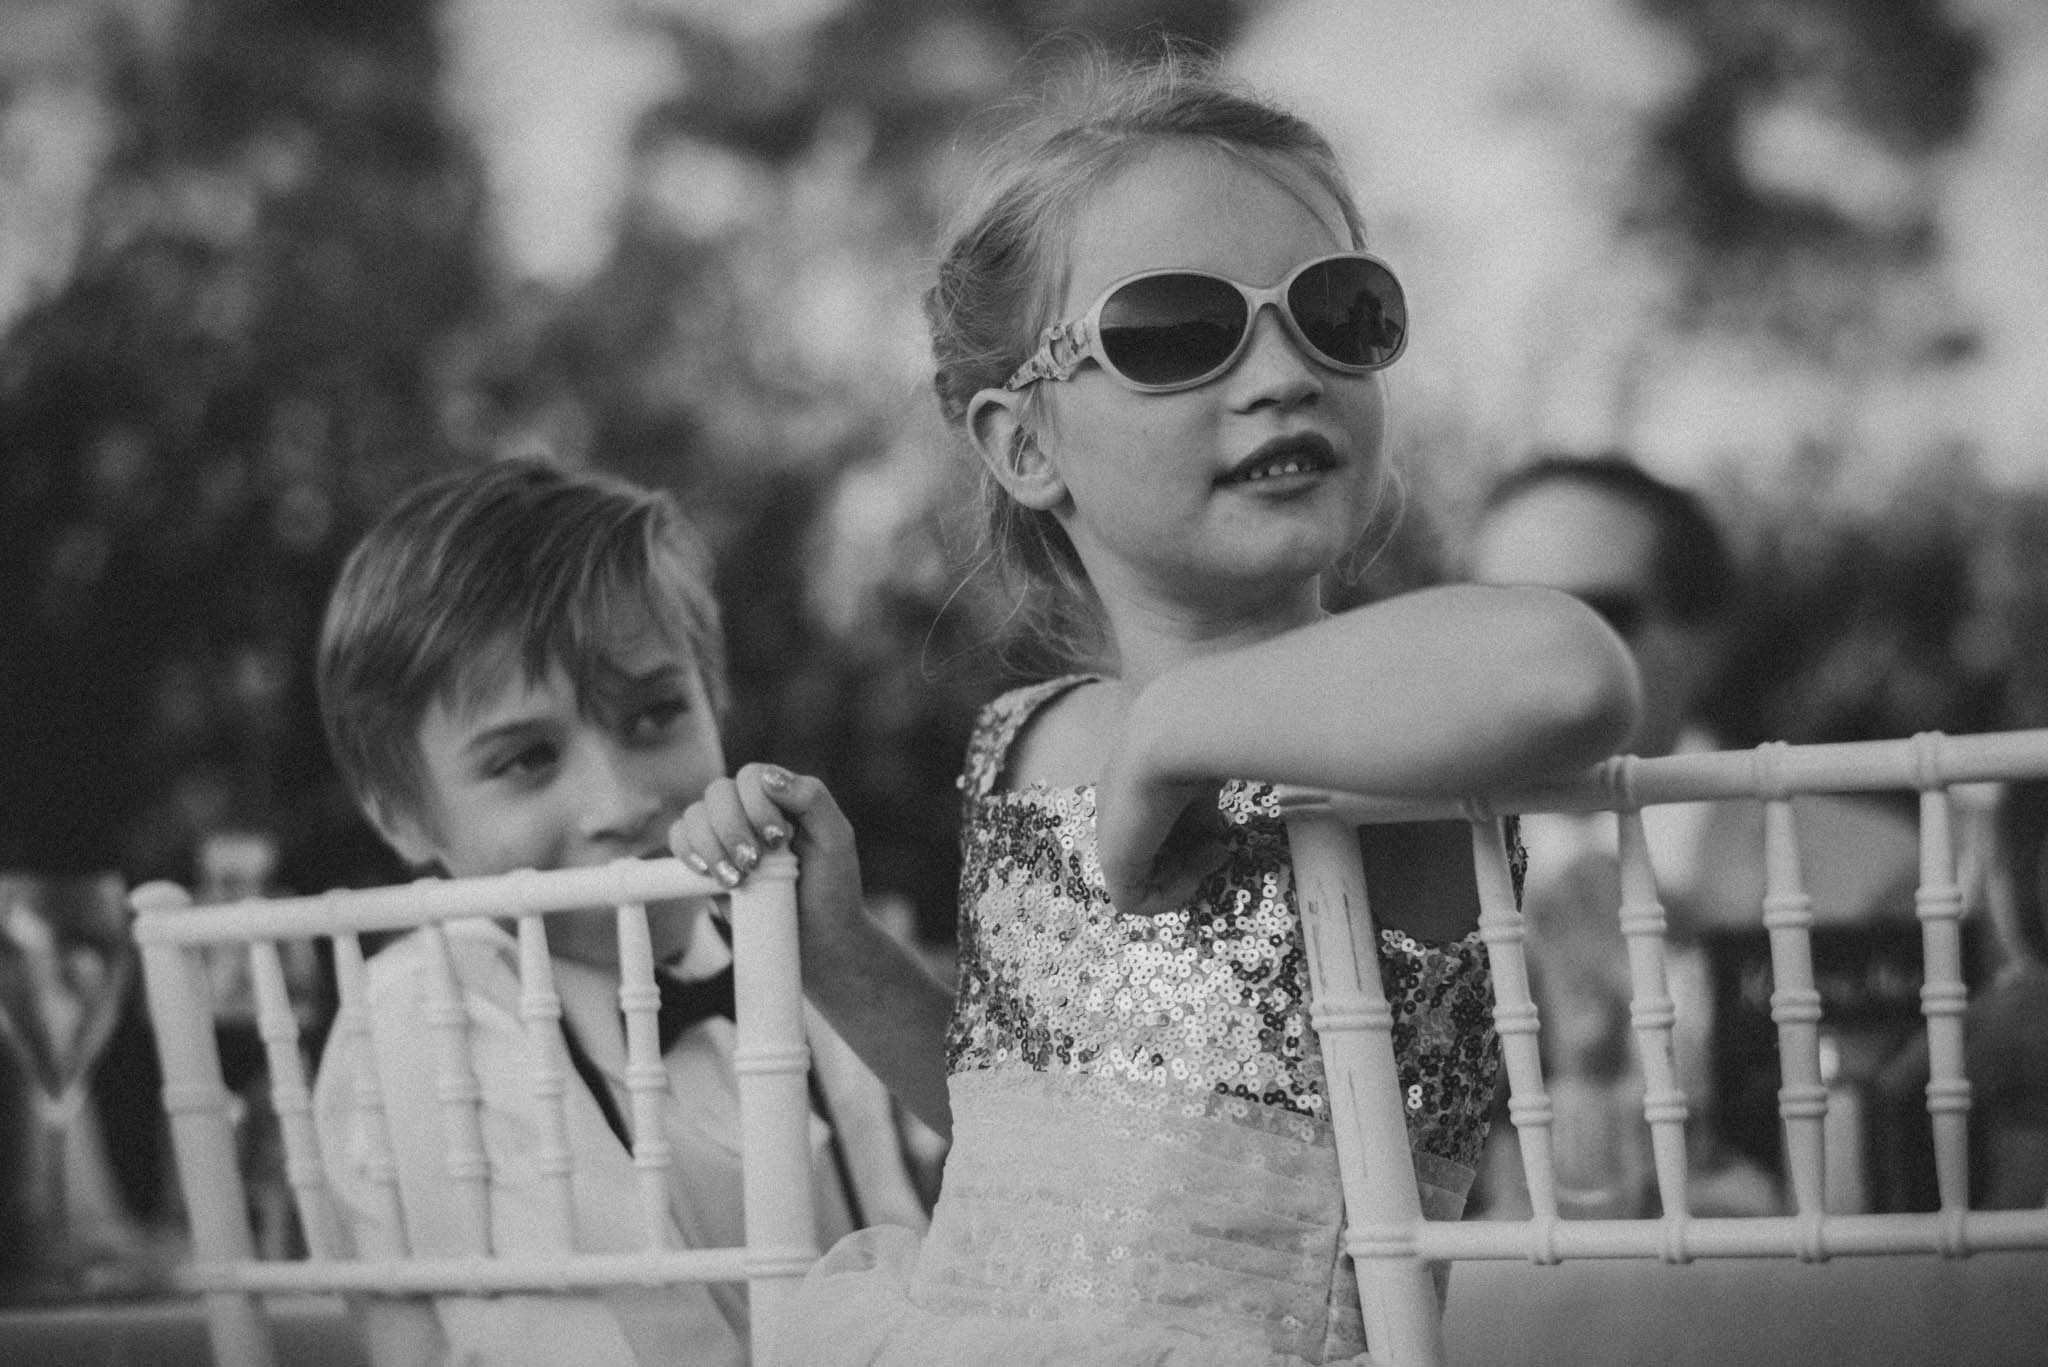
265, 263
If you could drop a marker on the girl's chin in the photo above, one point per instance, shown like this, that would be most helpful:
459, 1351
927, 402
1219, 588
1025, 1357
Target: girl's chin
1290, 561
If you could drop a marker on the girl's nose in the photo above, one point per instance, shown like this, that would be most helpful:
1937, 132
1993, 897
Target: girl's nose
613, 805
1274, 368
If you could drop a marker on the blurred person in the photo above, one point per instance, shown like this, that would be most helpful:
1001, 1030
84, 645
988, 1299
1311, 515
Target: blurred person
64, 1227
2005, 1025
1649, 557
1644, 554
523, 667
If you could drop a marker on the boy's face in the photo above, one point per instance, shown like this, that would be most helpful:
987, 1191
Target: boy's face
517, 775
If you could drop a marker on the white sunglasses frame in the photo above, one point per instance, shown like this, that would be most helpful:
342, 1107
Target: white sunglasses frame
1064, 347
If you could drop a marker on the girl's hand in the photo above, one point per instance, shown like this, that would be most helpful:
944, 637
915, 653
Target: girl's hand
1156, 841
764, 807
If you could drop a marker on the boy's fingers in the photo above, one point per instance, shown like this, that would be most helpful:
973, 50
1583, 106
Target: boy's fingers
713, 836
807, 804
727, 830
790, 792
759, 785
739, 843
691, 841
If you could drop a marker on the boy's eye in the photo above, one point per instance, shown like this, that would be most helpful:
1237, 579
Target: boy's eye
654, 721
523, 762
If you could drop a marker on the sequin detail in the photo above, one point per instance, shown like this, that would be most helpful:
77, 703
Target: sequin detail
1208, 999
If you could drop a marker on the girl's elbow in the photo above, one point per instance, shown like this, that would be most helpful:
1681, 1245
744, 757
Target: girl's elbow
1601, 713
1591, 692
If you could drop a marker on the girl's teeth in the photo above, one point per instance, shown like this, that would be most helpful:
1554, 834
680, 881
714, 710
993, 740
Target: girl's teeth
1290, 467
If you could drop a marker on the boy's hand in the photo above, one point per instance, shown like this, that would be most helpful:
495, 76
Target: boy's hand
763, 807
871, 988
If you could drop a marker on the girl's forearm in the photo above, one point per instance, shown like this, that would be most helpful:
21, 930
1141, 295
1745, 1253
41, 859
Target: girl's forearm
1446, 691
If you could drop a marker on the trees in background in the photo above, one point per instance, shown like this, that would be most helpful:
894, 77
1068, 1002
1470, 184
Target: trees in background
1797, 179
286, 307
239, 370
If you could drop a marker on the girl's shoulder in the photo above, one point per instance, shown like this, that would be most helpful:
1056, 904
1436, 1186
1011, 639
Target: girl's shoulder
998, 725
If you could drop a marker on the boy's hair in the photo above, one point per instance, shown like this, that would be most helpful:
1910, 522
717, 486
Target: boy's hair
1695, 577
510, 560
1004, 268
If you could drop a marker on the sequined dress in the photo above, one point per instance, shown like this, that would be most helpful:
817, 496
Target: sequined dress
1142, 1170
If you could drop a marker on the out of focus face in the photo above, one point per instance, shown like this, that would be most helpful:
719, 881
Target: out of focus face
521, 773
1602, 549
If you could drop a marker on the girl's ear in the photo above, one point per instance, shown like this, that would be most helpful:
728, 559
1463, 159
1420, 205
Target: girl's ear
995, 423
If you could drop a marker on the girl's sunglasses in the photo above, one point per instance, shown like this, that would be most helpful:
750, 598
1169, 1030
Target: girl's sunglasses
1159, 331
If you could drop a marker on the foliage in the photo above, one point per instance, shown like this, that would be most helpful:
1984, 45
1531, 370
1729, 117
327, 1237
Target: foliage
238, 375
287, 311
1902, 70
1922, 614
1921, 611
288, 308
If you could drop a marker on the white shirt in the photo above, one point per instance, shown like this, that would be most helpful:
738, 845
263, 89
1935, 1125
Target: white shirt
685, 1326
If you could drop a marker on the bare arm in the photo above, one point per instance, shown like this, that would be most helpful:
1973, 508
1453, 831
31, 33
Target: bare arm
873, 990
889, 1008
1447, 691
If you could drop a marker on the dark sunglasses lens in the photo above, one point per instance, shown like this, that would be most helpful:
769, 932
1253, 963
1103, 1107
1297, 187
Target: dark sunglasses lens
1351, 310
1167, 329
1625, 612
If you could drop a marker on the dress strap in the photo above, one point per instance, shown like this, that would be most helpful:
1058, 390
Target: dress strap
997, 727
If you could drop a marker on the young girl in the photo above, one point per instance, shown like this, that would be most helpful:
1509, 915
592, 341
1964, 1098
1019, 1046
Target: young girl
1163, 337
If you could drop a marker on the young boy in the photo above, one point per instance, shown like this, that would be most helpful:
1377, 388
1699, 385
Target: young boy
522, 667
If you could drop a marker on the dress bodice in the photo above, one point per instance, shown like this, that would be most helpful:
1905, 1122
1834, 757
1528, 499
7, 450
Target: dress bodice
1211, 998
1143, 1172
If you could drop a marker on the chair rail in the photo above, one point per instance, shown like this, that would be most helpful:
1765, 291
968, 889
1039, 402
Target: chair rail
771, 1060
1924, 762
1395, 1248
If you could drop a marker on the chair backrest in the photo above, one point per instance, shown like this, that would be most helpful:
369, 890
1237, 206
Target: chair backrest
771, 1058
1397, 1250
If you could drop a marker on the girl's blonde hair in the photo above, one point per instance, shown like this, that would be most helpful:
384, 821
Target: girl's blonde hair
1004, 268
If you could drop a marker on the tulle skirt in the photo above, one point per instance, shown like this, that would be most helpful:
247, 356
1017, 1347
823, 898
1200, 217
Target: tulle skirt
1096, 1223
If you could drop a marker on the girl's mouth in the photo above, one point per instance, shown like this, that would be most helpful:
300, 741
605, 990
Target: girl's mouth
1307, 454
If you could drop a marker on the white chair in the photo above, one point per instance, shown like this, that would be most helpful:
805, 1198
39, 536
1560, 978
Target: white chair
1397, 1250
771, 1058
